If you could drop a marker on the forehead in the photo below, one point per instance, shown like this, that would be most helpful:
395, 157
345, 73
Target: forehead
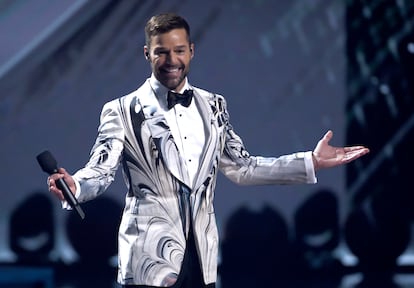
172, 38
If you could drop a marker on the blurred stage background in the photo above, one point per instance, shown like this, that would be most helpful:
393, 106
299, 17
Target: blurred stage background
308, 65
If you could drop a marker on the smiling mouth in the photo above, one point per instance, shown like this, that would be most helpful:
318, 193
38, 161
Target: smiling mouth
172, 71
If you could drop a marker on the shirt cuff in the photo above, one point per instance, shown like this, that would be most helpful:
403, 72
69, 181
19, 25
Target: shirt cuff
65, 204
310, 169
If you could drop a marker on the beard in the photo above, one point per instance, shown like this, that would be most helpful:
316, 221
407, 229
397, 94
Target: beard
172, 80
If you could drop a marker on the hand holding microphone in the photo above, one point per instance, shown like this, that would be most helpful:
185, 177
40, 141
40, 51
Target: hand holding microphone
58, 181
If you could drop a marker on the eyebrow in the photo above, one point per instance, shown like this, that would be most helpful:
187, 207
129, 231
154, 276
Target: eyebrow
176, 47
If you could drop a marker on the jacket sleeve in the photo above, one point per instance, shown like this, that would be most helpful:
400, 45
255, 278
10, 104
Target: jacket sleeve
240, 167
105, 155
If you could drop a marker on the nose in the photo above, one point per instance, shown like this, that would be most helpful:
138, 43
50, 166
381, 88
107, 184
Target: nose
172, 58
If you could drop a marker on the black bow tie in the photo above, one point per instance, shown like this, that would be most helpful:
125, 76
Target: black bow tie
183, 99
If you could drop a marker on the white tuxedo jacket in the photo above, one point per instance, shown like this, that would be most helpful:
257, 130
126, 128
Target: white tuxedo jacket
160, 199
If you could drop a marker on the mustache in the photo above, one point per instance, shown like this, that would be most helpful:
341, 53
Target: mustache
169, 67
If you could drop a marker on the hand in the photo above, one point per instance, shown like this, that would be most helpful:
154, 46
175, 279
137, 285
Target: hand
326, 156
51, 182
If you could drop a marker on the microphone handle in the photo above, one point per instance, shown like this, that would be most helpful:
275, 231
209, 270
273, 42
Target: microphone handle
61, 184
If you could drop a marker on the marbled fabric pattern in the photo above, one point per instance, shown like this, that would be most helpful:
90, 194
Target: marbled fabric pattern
159, 201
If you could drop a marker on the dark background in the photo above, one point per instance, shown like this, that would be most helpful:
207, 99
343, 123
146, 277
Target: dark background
290, 70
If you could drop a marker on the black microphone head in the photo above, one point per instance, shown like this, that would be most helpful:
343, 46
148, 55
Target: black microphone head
47, 162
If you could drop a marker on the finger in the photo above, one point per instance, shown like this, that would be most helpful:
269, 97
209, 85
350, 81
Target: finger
355, 148
53, 189
353, 155
50, 181
328, 136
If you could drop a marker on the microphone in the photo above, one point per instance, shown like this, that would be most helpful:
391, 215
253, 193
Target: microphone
49, 165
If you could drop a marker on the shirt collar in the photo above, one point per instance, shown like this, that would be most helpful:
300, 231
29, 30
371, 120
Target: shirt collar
161, 91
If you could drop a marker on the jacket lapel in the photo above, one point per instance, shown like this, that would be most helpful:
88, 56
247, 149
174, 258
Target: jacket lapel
160, 134
209, 154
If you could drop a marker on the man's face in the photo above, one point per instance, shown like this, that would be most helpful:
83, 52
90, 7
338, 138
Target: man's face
170, 55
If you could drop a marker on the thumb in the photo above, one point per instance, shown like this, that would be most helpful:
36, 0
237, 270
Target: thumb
64, 172
328, 136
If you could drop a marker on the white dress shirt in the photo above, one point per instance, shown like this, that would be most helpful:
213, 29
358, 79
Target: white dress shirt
186, 127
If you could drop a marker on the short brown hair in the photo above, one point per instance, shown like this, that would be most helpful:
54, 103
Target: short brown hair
163, 23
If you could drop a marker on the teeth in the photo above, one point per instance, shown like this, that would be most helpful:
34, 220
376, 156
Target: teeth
171, 69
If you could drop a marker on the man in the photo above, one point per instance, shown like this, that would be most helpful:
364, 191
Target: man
170, 155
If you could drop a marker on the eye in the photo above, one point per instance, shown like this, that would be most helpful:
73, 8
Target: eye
160, 52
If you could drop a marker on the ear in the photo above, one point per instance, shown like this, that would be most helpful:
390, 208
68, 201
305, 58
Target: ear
146, 52
192, 50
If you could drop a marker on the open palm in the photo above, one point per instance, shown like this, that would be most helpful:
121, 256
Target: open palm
326, 156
